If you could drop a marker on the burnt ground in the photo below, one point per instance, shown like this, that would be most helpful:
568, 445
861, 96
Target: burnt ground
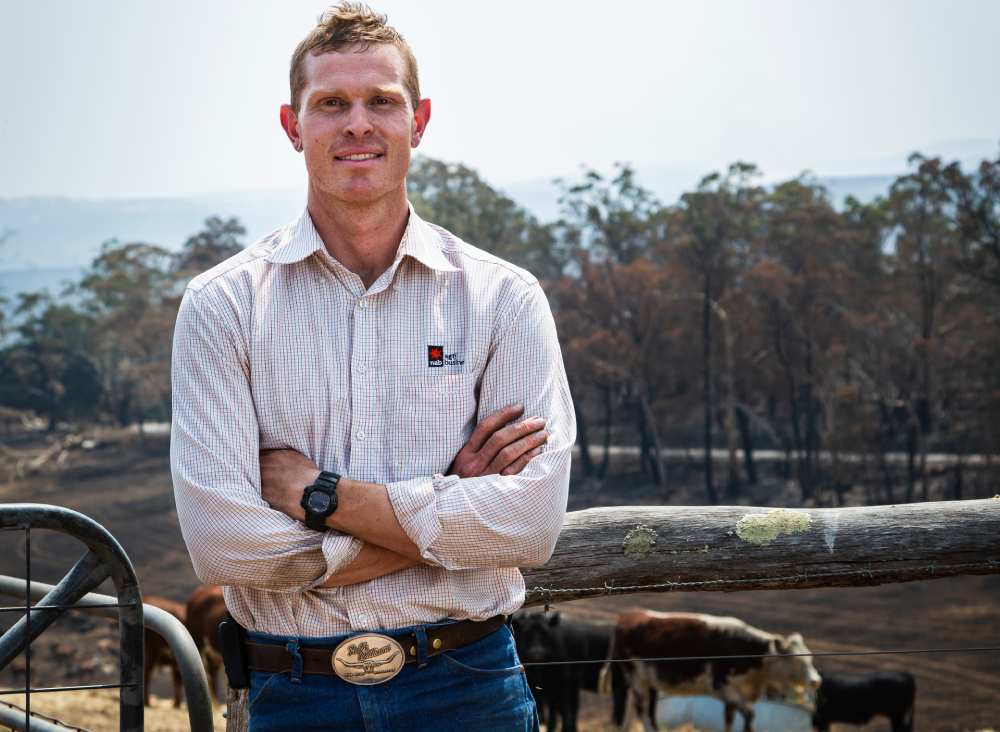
125, 485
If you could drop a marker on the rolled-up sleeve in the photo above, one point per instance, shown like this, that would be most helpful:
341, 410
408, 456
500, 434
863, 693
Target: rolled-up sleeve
233, 536
494, 520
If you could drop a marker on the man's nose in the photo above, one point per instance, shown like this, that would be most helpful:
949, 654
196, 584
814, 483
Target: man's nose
358, 123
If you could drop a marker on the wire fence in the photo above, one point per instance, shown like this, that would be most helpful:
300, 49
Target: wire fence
743, 657
548, 595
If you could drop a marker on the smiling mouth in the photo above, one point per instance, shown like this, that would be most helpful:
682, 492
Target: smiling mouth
359, 157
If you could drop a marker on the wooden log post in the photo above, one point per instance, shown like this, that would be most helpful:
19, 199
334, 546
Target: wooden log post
630, 549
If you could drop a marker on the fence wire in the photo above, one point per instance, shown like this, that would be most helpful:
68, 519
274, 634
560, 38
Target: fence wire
549, 594
827, 654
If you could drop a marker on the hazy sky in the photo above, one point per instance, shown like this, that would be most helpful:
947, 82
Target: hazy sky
141, 98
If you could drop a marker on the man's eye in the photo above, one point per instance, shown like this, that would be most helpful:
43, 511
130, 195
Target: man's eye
381, 101
330, 102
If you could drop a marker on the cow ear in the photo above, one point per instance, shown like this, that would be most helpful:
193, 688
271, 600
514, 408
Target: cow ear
781, 645
554, 620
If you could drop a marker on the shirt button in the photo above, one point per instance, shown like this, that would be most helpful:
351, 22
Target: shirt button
361, 368
361, 434
362, 303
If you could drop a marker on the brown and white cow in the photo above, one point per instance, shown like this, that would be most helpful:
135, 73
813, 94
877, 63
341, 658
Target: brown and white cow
205, 610
778, 665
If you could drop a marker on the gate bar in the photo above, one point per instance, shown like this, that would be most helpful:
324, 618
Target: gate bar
196, 693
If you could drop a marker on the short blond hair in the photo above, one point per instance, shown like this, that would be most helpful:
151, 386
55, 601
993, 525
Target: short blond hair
348, 24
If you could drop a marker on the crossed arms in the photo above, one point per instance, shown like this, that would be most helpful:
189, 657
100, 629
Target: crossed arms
238, 535
498, 446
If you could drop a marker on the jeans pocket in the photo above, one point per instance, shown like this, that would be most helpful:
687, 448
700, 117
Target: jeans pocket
465, 668
492, 656
259, 684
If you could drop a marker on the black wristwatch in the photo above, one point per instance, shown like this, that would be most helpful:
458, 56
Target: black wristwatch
320, 500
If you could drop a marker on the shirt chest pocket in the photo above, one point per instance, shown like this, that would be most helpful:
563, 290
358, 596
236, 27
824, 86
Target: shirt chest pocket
433, 415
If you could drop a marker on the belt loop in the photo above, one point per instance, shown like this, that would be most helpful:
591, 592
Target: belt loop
421, 634
293, 649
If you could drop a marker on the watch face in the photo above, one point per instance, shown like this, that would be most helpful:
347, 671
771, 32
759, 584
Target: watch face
318, 501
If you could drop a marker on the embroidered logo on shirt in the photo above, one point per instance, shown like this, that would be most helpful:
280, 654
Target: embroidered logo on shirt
436, 357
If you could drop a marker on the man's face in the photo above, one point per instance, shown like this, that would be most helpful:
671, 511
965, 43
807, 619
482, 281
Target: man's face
356, 124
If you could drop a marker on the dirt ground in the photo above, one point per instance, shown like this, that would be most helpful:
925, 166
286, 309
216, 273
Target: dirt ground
125, 485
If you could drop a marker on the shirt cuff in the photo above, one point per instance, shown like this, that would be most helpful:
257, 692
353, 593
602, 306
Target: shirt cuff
339, 550
414, 502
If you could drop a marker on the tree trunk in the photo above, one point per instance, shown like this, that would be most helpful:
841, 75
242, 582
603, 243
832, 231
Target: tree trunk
733, 478
645, 463
885, 441
747, 437
583, 440
659, 474
812, 418
793, 404
709, 407
608, 416
911, 468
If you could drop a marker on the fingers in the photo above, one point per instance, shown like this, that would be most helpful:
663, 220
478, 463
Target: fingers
517, 449
503, 438
491, 425
518, 465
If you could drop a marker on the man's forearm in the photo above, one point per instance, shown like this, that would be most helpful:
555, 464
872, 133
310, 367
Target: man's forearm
372, 562
365, 512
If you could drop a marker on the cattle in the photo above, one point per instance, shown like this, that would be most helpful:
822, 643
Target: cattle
774, 664
856, 699
157, 651
205, 610
544, 638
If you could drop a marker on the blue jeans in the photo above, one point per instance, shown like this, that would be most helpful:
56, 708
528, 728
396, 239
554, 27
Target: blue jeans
480, 687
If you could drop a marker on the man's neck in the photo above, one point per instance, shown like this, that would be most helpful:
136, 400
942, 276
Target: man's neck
364, 237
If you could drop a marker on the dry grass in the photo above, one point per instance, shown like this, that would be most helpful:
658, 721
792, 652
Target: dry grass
97, 710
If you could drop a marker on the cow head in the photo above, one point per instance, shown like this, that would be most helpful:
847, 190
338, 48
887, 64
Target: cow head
537, 636
790, 673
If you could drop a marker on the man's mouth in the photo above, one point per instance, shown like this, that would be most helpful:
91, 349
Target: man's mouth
359, 157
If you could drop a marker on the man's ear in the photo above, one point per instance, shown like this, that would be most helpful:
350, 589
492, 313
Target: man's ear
421, 116
290, 124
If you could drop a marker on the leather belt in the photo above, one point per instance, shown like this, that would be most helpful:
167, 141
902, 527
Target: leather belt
272, 658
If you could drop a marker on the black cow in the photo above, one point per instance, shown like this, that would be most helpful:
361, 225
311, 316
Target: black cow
856, 699
548, 637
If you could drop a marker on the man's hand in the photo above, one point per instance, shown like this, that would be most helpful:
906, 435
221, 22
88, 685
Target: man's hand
284, 475
498, 446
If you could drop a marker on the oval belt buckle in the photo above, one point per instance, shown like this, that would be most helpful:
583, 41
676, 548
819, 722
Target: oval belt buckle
368, 658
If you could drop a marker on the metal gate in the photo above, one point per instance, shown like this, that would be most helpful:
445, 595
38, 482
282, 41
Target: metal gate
103, 559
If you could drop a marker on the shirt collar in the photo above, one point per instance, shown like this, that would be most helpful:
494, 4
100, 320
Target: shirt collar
422, 243
300, 239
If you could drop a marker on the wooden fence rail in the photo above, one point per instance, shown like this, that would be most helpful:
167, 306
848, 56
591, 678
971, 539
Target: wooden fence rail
632, 549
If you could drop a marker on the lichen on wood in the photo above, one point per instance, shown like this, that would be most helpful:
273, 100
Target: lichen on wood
639, 542
763, 528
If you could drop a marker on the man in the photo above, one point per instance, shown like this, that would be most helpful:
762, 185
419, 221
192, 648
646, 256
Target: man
332, 374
